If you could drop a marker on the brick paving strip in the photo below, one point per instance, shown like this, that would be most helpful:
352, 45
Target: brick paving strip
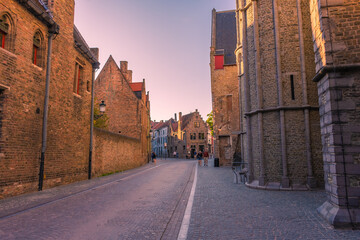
223, 210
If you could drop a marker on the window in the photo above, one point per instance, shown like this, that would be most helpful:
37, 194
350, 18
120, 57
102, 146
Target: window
292, 87
77, 78
88, 86
184, 147
4, 30
193, 136
196, 124
219, 62
201, 136
229, 102
36, 55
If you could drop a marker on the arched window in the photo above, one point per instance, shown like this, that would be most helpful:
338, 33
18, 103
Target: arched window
38, 49
6, 33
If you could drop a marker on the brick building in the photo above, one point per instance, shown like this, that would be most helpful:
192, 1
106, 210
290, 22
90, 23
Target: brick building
28, 46
224, 86
281, 119
127, 103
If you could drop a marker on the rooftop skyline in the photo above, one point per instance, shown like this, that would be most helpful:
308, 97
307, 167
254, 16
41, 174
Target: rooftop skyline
165, 42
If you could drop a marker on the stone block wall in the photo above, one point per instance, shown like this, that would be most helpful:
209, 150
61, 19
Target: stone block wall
279, 99
335, 26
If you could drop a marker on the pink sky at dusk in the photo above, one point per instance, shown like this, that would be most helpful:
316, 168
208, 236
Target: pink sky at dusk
167, 42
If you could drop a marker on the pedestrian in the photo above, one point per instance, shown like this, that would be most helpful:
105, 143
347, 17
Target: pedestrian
174, 154
199, 157
153, 157
206, 157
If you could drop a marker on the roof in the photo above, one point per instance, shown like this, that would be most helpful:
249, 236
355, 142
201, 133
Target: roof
81, 44
136, 87
185, 119
226, 35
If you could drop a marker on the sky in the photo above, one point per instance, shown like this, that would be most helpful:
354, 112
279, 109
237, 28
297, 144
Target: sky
167, 42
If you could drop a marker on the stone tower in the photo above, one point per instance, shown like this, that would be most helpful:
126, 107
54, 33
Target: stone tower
280, 131
335, 25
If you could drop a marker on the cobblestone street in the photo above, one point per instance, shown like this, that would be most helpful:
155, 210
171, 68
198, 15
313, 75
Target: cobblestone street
149, 203
224, 210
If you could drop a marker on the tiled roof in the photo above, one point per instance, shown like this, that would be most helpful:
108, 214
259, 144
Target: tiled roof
136, 87
185, 119
174, 126
226, 35
81, 44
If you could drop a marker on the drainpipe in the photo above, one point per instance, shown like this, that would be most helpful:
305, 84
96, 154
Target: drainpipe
95, 66
53, 30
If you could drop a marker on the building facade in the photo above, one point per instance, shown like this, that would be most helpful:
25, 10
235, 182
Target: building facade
224, 86
45, 94
127, 104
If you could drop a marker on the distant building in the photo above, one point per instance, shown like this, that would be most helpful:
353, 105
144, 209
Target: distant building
224, 86
127, 103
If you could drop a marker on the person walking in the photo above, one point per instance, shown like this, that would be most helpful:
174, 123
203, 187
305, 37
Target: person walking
174, 154
199, 157
206, 157
153, 157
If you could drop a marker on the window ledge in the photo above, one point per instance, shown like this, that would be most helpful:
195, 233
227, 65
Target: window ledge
77, 95
8, 52
36, 66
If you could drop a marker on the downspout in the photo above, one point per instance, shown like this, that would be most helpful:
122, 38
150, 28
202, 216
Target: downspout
54, 29
95, 66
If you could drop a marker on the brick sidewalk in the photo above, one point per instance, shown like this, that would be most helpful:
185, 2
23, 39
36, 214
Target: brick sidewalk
224, 210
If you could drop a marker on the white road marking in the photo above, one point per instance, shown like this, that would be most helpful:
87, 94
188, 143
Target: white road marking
186, 220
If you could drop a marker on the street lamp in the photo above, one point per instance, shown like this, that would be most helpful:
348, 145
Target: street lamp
102, 107
165, 145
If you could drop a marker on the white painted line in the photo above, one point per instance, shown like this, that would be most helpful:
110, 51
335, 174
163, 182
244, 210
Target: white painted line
186, 220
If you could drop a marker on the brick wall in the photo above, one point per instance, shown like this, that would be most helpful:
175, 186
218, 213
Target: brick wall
116, 153
23, 87
122, 106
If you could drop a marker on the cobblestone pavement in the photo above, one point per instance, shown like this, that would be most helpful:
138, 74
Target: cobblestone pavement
146, 203
224, 210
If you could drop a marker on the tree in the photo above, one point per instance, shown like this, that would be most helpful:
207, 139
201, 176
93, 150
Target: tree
210, 122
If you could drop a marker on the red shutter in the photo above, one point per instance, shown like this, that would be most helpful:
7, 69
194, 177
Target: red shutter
78, 82
219, 62
3, 35
35, 54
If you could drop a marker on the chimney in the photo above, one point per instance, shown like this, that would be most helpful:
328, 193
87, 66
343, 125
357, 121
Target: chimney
123, 66
179, 127
129, 76
196, 110
175, 117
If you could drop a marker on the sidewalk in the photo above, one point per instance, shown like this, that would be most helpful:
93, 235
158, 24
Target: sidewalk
224, 210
